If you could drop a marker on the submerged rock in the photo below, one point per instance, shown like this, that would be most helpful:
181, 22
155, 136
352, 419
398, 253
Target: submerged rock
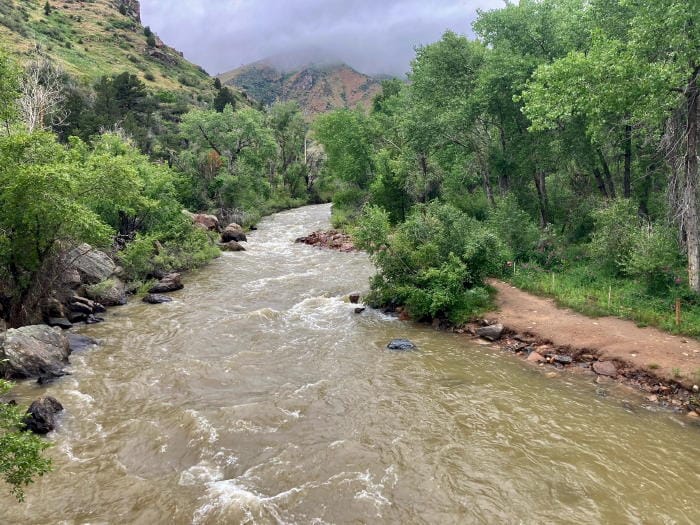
79, 343
50, 378
154, 298
492, 332
231, 246
41, 415
360, 309
61, 322
354, 298
400, 344
33, 351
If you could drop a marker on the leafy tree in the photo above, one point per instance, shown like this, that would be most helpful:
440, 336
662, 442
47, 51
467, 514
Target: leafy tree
346, 137
21, 460
42, 210
229, 151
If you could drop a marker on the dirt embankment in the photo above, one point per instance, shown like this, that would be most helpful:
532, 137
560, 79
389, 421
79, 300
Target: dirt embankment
665, 366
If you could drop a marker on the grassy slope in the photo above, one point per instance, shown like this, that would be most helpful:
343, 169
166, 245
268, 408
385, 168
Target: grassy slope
91, 39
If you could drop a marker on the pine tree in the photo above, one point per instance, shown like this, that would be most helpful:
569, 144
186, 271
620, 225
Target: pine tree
47, 8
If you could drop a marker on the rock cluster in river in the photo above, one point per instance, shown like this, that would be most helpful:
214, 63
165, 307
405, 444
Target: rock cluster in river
331, 239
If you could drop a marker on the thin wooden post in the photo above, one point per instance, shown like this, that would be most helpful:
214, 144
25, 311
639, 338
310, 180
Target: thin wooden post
678, 311
609, 296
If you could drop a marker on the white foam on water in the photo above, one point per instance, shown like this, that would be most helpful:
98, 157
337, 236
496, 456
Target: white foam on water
229, 502
85, 398
203, 426
200, 474
262, 283
305, 387
296, 414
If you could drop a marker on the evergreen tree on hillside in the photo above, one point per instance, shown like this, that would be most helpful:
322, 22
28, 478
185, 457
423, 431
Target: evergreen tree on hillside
224, 97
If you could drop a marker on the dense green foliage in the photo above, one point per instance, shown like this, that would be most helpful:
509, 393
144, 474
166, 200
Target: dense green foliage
567, 128
20, 452
434, 263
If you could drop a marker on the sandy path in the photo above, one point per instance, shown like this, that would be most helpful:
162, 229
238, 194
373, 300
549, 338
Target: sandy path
648, 349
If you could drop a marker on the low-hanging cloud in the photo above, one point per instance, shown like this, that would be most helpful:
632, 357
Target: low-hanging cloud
374, 36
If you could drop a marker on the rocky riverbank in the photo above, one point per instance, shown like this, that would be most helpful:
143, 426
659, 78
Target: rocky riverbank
87, 281
560, 359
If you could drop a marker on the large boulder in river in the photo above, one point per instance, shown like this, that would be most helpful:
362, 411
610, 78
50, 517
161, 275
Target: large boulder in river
41, 415
233, 232
93, 265
206, 222
33, 351
111, 292
169, 283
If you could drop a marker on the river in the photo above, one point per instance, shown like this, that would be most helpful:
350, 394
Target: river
258, 396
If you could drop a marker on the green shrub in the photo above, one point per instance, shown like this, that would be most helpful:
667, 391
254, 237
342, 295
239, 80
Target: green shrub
180, 247
616, 232
515, 228
655, 258
434, 264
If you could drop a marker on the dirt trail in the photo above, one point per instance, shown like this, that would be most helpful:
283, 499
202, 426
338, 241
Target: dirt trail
658, 353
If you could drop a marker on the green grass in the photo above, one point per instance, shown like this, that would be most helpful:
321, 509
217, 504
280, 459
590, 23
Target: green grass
590, 291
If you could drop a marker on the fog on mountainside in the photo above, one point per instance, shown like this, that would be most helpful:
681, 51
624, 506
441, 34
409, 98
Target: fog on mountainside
372, 37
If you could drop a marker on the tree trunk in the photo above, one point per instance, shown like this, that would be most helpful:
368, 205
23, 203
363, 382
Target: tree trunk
541, 186
691, 174
608, 175
487, 186
627, 174
600, 182
503, 181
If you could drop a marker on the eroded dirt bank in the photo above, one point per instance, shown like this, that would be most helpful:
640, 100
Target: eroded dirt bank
665, 366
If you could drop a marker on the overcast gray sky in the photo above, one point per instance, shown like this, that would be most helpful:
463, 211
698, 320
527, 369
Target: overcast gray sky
374, 36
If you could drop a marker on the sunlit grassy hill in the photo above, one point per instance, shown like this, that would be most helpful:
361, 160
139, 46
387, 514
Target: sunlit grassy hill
92, 38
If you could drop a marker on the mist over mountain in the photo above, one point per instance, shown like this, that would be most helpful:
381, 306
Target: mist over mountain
372, 37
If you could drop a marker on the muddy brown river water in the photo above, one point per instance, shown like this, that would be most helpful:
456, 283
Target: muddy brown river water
258, 396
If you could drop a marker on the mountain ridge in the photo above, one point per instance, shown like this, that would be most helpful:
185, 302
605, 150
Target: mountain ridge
318, 86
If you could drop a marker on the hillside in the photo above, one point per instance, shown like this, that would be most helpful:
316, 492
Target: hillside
317, 87
91, 39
